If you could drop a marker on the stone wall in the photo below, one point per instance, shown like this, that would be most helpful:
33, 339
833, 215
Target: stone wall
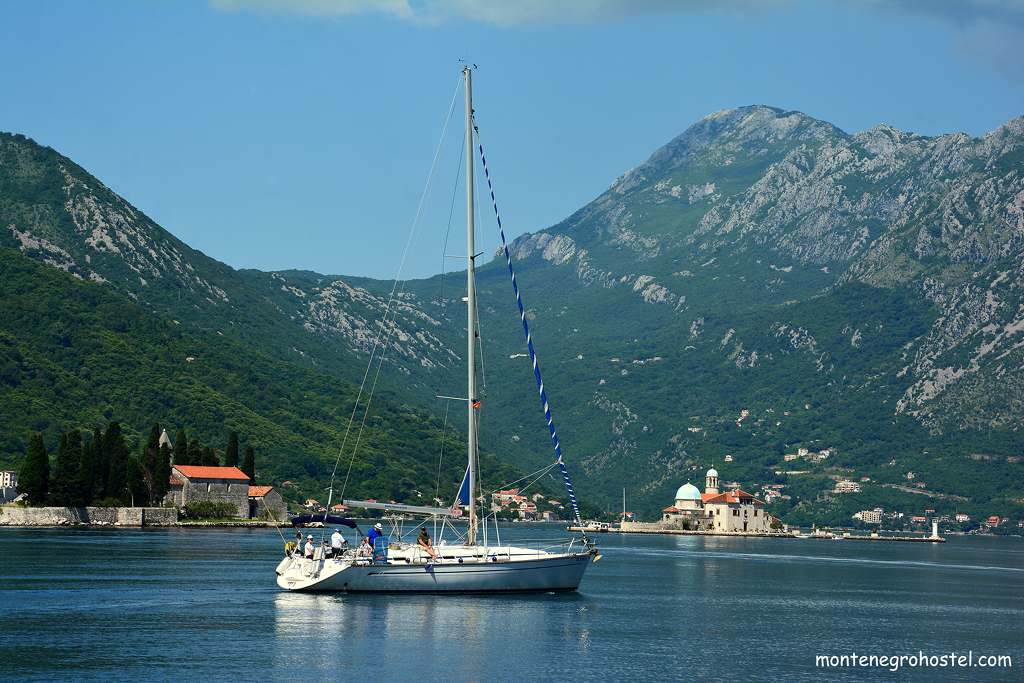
92, 516
270, 506
236, 493
646, 526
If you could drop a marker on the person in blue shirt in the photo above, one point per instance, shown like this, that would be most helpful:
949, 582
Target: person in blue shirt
375, 533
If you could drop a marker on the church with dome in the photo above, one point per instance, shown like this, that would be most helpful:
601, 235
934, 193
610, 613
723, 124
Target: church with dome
716, 511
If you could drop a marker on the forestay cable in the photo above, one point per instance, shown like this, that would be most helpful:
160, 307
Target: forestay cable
529, 339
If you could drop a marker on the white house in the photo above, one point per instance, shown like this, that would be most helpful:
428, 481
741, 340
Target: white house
870, 516
846, 486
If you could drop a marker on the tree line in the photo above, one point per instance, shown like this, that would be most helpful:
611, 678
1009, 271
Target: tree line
97, 468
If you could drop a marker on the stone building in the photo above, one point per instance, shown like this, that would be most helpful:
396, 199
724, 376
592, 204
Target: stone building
266, 503
196, 483
687, 510
730, 511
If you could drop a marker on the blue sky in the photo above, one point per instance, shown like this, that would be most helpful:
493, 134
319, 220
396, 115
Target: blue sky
298, 133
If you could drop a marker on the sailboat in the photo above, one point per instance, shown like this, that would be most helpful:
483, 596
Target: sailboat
468, 565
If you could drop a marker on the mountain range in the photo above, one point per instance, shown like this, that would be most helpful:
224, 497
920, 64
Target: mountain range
763, 283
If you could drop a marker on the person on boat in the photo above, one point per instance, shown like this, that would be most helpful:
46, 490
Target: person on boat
365, 550
310, 547
298, 544
337, 543
376, 532
424, 542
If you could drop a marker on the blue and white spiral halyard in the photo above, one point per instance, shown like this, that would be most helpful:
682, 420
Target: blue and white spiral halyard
529, 340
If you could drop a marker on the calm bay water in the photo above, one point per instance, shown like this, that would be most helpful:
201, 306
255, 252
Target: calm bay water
202, 605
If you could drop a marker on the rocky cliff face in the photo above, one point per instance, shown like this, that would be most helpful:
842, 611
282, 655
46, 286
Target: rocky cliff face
815, 208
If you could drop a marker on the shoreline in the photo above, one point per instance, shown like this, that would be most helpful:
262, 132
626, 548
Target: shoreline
241, 524
117, 518
758, 534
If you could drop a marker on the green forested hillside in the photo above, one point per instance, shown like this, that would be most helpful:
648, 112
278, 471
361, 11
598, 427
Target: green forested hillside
76, 354
764, 282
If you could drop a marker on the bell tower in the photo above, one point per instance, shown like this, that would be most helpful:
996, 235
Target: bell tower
711, 481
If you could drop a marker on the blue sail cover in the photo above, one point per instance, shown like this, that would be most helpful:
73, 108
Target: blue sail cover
300, 520
463, 496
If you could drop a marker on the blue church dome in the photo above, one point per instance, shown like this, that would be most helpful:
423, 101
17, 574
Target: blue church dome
688, 492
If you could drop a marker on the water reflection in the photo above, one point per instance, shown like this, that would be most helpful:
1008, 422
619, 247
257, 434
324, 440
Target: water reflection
320, 630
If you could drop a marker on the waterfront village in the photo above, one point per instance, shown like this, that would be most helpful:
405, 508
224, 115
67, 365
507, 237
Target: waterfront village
719, 508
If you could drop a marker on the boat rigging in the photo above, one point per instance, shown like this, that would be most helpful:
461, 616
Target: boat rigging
394, 565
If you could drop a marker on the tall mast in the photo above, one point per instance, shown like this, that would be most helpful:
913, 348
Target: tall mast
467, 75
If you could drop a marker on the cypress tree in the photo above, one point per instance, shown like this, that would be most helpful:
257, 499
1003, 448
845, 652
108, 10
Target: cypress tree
231, 454
136, 482
34, 476
89, 477
117, 473
161, 475
57, 493
210, 458
195, 453
180, 448
54, 488
66, 487
249, 463
103, 463
76, 455
152, 449
148, 460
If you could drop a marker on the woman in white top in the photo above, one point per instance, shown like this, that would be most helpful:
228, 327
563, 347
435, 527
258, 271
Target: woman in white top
310, 547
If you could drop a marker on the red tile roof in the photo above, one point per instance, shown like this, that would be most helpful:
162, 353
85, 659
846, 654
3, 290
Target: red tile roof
175, 481
731, 497
259, 491
203, 472
671, 508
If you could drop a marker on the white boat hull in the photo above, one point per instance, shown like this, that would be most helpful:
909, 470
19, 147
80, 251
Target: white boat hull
550, 572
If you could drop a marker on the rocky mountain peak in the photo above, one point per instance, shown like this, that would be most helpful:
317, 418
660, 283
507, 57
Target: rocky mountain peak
717, 139
750, 127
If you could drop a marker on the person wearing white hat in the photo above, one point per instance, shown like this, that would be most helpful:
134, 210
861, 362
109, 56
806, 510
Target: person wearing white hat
376, 532
310, 547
